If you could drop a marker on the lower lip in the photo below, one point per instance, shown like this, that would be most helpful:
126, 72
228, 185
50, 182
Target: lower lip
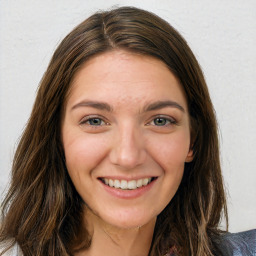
128, 194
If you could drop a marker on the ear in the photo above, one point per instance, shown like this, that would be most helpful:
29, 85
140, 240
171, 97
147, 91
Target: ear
190, 156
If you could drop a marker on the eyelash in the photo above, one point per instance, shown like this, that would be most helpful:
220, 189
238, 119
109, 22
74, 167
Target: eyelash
87, 119
167, 121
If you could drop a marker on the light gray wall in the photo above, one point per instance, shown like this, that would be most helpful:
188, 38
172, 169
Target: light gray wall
222, 35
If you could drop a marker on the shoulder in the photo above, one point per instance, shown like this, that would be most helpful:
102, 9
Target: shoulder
238, 244
14, 251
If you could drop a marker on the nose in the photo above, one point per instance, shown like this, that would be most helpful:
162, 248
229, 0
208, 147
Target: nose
128, 150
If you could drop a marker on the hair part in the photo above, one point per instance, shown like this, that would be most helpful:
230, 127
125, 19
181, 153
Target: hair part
42, 211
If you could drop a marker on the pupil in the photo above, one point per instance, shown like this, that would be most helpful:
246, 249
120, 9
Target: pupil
95, 121
160, 121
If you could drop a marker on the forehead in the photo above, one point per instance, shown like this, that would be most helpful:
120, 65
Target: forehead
125, 78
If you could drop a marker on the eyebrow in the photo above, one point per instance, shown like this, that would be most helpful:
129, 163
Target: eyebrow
163, 104
93, 104
150, 107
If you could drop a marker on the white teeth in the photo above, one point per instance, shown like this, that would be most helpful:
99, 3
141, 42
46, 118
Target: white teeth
124, 184
146, 181
110, 183
139, 183
132, 184
116, 183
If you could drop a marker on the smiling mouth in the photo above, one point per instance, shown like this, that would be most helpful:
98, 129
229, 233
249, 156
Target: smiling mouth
127, 185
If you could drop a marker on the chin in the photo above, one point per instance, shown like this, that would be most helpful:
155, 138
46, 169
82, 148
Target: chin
127, 219
122, 217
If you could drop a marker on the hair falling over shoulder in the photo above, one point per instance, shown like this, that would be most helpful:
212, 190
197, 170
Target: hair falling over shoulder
42, 211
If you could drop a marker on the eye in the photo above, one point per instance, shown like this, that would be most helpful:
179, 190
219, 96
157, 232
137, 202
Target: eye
93, 121
162, 121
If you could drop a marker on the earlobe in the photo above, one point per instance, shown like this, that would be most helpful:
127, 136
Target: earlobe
190, 156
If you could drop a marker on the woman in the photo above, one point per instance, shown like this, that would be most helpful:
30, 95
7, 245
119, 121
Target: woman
120, 155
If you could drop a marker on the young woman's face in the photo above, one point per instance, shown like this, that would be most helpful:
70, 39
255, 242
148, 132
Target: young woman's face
126, 137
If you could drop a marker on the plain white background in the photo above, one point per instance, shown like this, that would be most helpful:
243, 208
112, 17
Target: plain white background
222, 34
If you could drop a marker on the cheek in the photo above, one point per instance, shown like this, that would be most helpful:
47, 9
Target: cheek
170, 150
83, 152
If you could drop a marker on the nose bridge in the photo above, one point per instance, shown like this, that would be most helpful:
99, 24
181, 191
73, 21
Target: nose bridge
128, 150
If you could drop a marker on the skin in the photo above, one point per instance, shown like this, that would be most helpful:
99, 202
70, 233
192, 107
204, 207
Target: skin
121, 138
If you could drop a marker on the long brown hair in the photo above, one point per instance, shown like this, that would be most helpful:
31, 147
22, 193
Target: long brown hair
42, 211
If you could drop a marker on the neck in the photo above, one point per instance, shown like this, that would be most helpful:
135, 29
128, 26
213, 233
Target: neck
109, 240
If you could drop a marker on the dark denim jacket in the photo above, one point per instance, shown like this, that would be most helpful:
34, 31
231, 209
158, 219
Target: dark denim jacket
235, 244
239, 244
